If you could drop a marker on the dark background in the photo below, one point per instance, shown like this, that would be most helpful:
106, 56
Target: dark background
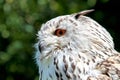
21, 19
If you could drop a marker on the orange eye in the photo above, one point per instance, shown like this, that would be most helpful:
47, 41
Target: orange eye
59, 32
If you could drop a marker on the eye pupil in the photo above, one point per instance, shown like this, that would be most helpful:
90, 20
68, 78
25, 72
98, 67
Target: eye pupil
59, 32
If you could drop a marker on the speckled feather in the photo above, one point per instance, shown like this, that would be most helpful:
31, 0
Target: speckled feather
83, 51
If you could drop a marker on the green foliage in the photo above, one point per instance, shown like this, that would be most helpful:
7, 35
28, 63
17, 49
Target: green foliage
19, 22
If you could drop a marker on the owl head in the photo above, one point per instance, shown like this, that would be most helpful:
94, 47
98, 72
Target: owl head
74, 32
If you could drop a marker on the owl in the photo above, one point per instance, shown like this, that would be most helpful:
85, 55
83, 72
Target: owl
76, 47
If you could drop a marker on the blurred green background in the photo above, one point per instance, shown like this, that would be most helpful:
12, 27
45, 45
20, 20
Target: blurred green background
21, 19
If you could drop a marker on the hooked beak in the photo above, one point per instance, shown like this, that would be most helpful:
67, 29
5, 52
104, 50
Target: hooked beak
48, 50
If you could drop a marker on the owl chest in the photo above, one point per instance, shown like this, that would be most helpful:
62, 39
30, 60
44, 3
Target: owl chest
67, 68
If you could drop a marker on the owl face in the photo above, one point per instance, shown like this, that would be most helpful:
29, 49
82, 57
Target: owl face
69, 32
57, 33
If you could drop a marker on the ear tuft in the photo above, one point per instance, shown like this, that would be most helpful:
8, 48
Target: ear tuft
77, 15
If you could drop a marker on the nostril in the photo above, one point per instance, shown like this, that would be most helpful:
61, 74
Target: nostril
40, 48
